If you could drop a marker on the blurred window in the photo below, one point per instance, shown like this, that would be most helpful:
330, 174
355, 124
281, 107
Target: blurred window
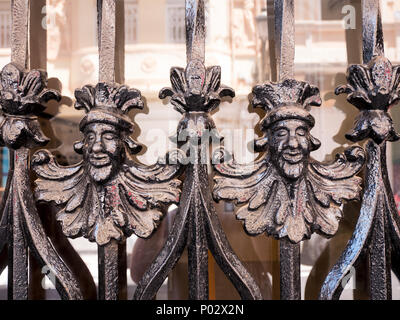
175, 21
131, 13
5, 25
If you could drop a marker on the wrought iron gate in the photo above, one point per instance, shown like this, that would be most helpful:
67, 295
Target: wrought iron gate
108, 196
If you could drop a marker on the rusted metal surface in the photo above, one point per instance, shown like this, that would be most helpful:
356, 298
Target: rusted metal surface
372, 88
195, 92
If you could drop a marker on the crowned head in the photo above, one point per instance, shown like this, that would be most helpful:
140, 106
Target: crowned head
287, 123
106, 127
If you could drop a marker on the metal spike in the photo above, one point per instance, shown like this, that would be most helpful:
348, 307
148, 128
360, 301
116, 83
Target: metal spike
284, 35
372, 33
195, 30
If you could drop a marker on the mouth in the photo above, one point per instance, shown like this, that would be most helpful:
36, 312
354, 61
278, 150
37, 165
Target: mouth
293, 156
99, 160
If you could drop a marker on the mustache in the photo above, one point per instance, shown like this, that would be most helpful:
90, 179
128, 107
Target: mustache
114, 156
292, 150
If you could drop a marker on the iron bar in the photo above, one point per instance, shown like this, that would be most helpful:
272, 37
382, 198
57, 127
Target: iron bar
372, 33
285, 38
284, 52
17, 249
110, 271
289, 270
197, 243
379, 254
195, 30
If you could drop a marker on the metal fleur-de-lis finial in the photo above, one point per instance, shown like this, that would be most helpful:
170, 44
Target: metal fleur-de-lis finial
196, 88
107, 195
373, 88
286, 193
21, 97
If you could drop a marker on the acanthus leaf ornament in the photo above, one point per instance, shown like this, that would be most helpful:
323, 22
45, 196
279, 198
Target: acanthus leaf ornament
107, 195
286, 193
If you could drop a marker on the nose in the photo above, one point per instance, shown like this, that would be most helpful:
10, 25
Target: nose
97, 146
293, 143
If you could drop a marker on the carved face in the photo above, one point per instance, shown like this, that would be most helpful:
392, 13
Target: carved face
103, 151
289, 146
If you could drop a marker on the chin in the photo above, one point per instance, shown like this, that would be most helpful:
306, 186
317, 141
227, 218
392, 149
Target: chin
292, 171
101, 175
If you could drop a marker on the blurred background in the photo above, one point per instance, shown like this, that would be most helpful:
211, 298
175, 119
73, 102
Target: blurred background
239, 39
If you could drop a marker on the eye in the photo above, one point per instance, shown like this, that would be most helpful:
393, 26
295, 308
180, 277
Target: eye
280, 132
301, 132
109, 136
90, 136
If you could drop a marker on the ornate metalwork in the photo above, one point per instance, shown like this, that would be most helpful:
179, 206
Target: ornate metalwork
286, 193
107, 195
372, 88
195, 92
22, 94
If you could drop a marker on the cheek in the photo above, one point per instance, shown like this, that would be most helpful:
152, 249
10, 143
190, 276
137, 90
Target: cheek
304, 143
279, 143
86, 147
112, 147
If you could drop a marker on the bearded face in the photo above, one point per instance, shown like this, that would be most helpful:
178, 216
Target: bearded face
103, 151
289, 146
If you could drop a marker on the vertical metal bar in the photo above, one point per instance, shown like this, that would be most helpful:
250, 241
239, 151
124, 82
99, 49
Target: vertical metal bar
284, 48
380, 282
372, 34
379, 254
111, 271
107, 39
380, 257
271, 39
37, 60
108, 271
17, 250
197, 242
195, 30
19, 32
290, 286
285, 38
